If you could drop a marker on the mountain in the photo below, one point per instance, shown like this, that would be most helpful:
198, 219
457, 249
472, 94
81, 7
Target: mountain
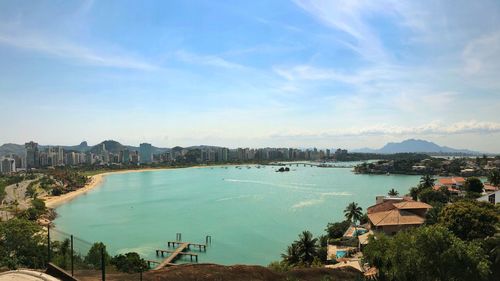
415, 145
82, 147
11, 148
111, 145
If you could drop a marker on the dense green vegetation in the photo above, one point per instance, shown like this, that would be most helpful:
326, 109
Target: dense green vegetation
376, 156
426, 254
420, 164
459, 241
129, 262
470, 219
463, 244
23, 243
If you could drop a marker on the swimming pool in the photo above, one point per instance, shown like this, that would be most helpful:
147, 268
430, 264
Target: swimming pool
341, 253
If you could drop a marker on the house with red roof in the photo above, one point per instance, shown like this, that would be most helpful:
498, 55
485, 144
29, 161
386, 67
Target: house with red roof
395, 214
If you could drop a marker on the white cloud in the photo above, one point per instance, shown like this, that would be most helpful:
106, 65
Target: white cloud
210, 60
433, 128
482, 54
348, 17
67, 50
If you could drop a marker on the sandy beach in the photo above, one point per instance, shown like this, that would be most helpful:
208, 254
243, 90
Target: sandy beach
54, 201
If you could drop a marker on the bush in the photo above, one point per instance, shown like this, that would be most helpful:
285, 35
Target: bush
337, 229
473, 185
129, 262
470, 220
426, 253
429, 195
22, 244
94, 256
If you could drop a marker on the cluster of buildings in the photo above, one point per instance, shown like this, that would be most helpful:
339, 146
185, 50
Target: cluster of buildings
36, 157
468, 166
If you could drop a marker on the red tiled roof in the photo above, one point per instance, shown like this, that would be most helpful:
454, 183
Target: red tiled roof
412, 205
489, 187
451, 189
452, 181
395, 217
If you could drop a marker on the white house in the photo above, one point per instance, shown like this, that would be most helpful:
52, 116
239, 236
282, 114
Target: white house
492, 197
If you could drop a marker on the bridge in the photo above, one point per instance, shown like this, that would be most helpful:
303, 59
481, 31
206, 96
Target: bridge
310, 164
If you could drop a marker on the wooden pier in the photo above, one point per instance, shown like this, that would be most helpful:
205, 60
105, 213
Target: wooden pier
190, 254
180, 250
200, 246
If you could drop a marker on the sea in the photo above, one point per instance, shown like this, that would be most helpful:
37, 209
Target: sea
250, 212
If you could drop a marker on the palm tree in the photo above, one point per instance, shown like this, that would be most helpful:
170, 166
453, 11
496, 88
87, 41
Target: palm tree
353, 212
291, 257
307, 247
427, 181
393, 192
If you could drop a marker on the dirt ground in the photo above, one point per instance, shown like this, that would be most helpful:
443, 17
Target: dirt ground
212, 272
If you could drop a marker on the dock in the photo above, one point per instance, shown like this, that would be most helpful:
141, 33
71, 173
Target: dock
200, 246
180, 250
190, 254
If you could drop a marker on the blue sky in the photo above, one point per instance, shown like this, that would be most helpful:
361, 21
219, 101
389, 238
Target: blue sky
251, 73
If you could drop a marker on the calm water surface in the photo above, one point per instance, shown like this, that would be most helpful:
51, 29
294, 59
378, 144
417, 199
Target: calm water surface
252, 214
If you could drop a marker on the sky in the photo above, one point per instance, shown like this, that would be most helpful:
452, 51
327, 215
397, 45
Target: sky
277, 73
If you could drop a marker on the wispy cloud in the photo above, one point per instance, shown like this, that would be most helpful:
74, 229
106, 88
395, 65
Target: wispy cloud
71, 51
208, 60
348, 17
433, 128
312, 73
482, 55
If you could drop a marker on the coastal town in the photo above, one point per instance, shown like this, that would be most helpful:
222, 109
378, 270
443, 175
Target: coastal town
283, 140
43, 179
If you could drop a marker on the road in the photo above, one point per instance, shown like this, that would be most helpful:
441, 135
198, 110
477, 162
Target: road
17, 193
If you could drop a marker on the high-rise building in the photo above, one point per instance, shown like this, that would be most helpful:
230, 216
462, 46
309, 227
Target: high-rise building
145, 153
32, 155
125, 156
60, 156
7, 165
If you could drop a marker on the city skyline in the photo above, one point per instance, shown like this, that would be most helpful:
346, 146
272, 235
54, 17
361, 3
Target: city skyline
259, 74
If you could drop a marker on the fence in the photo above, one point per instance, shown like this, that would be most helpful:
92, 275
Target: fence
84, 260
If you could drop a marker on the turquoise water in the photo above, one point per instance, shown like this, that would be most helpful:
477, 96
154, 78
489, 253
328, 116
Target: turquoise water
251, 214
341, 254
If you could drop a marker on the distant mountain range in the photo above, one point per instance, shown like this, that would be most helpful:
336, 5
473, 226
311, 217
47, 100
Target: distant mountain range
415, 145
111, 145
411, 145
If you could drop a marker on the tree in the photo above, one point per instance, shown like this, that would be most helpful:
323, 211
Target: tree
393, 192
473, 185
494, 177
426, 181
414, 191
337, 229
307, 247
432, 196
22, 244
94, 256
353, 212
470, 220
432, 215
291, 257
491, 247
426, 254
129, 262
